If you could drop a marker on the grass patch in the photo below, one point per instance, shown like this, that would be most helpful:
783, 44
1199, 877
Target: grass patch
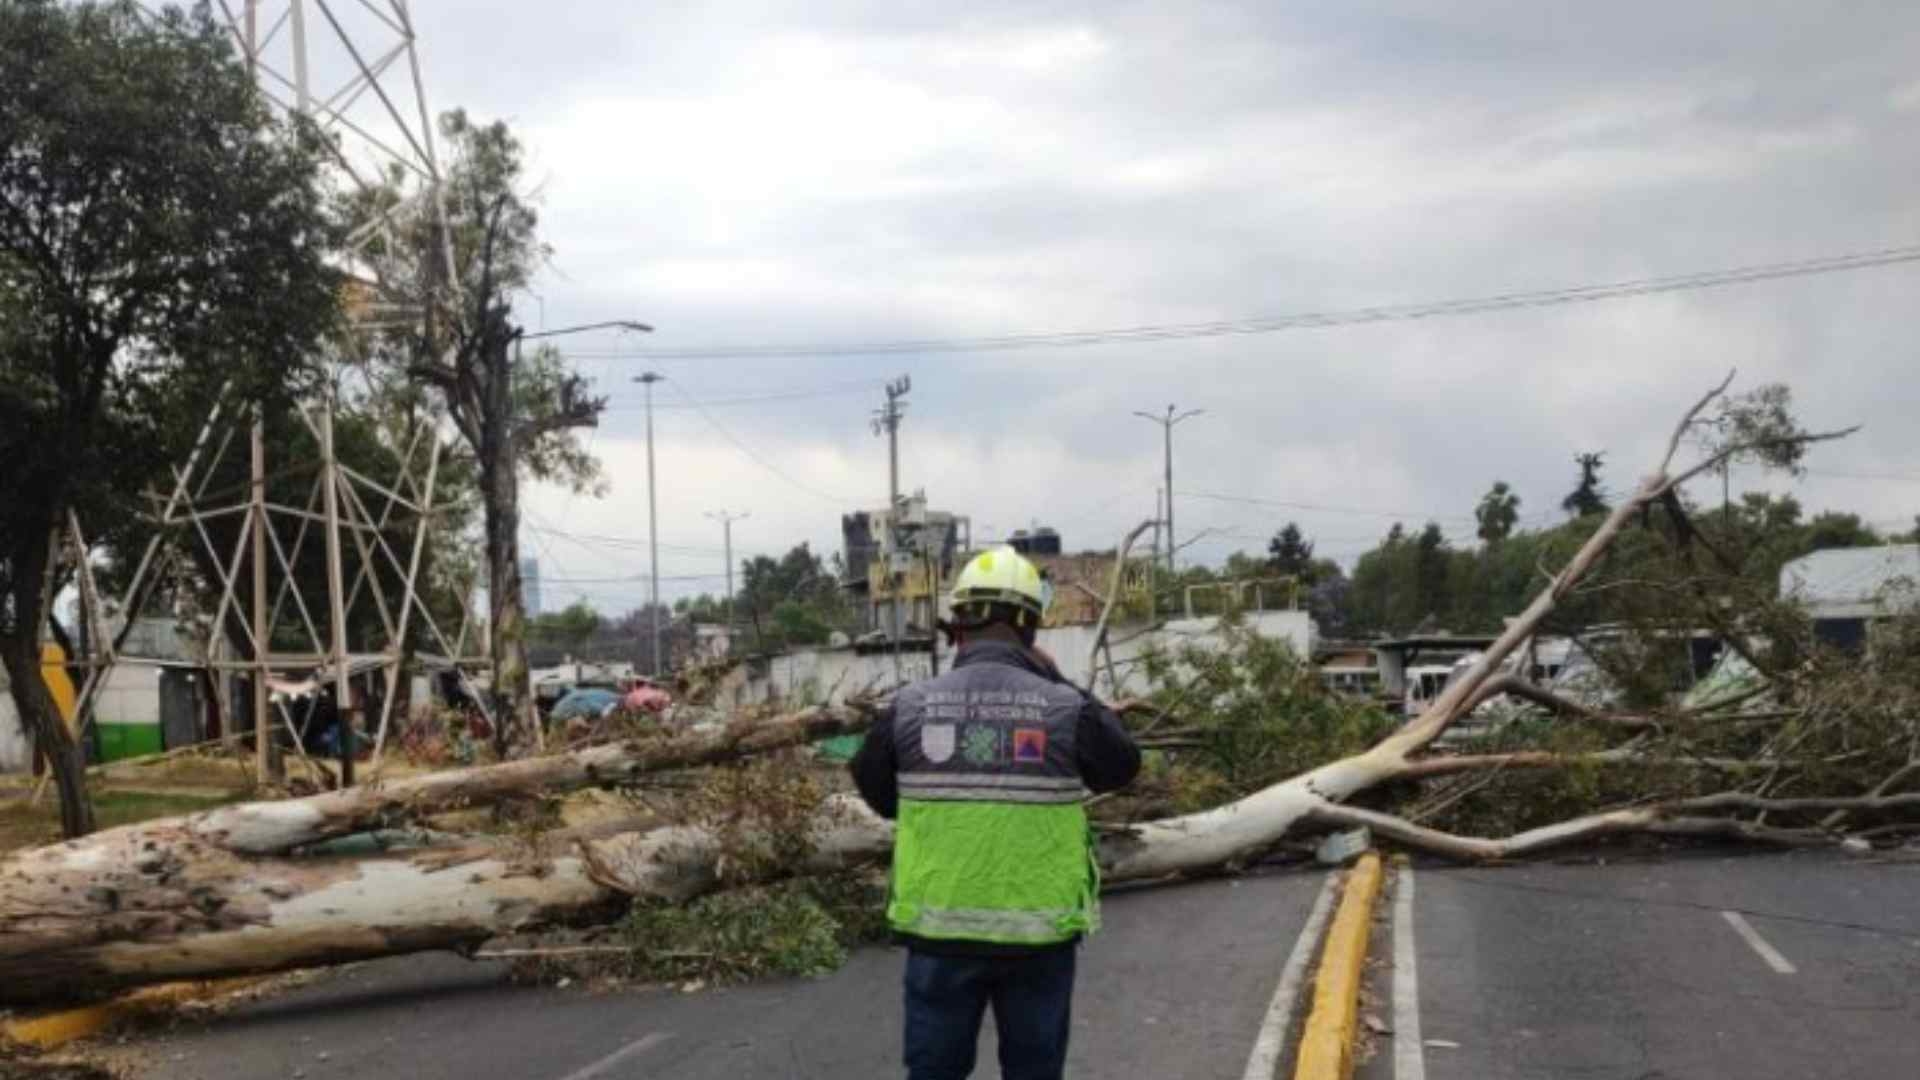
24, 826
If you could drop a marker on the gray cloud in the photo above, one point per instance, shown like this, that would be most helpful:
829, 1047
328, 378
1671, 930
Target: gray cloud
743, 172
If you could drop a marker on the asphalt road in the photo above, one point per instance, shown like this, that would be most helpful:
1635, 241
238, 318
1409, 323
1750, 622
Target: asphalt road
1635, 971
1176, 985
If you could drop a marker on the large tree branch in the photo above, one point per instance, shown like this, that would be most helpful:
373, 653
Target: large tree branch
436, 374
272, 827
1453, 764
1712, 462
578, 415
1453, 701
1649, 819
1112, 599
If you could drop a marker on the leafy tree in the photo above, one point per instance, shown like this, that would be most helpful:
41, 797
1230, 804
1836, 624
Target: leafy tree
1588, 498
1432, 571
1291, 553
1329, 600
161, 238
570, 628
704, 608
792, 600
1498, 513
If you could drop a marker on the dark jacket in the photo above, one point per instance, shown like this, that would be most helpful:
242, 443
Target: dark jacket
1101, 754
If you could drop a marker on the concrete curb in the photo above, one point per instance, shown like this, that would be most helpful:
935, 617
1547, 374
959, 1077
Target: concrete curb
1326, 1043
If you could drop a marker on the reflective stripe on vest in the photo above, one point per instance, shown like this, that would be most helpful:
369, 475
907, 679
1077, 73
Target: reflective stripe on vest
991, 787
1003, 925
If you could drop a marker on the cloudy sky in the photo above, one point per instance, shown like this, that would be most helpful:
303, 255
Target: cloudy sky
743, 173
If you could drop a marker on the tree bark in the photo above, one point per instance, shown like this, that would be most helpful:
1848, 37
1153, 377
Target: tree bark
511, 692
20, 653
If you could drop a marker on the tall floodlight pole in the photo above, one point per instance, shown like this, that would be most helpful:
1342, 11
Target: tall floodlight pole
1167, 424
653, 523
887, 421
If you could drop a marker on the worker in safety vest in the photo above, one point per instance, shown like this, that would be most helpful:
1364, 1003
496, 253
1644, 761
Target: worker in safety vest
994, 881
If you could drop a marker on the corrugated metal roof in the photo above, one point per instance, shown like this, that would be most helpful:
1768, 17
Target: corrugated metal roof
1867, 575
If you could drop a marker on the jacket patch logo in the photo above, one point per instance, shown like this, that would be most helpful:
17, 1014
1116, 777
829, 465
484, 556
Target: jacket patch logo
981, 744
936, 742
1030, 746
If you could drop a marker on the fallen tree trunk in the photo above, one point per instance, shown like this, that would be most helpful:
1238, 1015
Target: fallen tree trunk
218, 894
160, 903
274, 827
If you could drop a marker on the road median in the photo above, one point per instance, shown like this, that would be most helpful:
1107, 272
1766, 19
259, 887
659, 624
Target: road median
1327, 1040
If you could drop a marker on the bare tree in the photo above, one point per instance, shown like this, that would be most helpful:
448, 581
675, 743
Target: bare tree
516, 412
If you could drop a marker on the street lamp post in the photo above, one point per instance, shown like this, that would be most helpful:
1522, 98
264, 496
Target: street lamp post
653, 525
1167, 423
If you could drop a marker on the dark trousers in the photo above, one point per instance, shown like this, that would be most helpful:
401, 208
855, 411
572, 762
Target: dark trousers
1032, 998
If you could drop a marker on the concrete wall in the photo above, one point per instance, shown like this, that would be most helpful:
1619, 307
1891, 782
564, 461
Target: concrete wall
824, 675
130, 695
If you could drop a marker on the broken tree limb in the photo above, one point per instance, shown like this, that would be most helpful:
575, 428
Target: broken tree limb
1455, 764
1106, 609
79, 921
1679, 817
274, 827
1646, 820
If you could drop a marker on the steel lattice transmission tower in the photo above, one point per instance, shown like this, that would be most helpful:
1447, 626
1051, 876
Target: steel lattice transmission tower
351, 67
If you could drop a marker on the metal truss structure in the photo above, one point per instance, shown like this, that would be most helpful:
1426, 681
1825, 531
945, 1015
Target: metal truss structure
351, 67
343, 507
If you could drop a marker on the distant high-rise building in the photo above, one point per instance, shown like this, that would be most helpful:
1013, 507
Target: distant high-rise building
530, 585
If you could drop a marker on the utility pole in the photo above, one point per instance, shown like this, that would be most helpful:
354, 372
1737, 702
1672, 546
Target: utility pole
653, 526
888, 420
1167, 424
266, 762
336, 593
726, 521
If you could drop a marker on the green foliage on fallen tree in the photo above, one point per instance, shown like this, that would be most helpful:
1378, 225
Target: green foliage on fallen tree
1241, 711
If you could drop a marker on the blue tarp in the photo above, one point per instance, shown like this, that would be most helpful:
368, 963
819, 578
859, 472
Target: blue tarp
589, 702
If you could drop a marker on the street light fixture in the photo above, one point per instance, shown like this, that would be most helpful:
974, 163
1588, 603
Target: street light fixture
519, 335
1167, 422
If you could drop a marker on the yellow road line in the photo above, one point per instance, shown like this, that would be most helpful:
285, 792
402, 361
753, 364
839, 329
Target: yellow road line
1326, 1044
58, 1029
50, 1031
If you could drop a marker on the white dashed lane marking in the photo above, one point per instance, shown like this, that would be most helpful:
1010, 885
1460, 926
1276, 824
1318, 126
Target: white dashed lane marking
1409, 1060
605, 1065
1780, 964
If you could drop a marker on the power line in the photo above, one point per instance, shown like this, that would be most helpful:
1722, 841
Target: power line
628, 579
840, 390
1250, 500
1578, 294
753, 455
1842, 474
625, 541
